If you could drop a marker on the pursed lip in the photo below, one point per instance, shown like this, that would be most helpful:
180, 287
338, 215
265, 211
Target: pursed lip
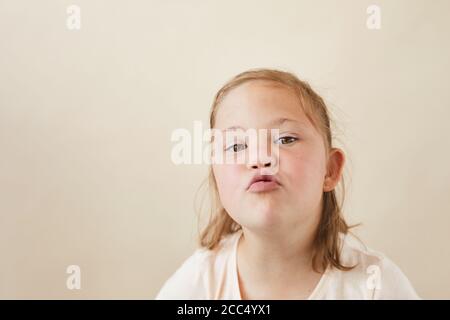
263, 177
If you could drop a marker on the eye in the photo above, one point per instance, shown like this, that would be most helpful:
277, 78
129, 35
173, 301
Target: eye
237, 147
286, 140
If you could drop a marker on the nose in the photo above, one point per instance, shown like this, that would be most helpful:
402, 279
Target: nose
262, 153
259, 165
262, 161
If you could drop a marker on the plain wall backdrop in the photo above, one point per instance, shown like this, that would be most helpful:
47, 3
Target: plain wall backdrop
86, 118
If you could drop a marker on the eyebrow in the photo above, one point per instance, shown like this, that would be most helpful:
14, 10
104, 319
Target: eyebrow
276, 122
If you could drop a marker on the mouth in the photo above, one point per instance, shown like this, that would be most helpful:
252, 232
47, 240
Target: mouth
263, 183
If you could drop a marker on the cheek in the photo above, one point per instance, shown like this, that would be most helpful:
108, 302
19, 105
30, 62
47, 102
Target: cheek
303, 170
229, 181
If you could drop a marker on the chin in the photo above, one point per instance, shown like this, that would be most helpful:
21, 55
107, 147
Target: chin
264, 218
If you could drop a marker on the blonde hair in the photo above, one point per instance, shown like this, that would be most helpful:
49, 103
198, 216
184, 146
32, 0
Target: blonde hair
327, 242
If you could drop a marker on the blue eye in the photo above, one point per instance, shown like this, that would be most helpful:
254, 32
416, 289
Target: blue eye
287, 140
237, 147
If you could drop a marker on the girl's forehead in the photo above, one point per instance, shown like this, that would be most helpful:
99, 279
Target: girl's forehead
259, 103
259, 90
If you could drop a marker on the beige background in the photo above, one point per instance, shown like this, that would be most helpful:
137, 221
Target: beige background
86, 118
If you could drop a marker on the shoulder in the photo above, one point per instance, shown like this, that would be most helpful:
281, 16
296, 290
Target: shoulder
195, 278
376, 274
186, 282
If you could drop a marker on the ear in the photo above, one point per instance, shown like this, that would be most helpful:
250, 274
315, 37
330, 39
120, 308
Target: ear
335, 168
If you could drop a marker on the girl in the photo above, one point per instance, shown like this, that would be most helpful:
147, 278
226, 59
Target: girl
277, 231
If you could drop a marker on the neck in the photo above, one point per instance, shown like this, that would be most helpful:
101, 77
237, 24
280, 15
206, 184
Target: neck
272, 256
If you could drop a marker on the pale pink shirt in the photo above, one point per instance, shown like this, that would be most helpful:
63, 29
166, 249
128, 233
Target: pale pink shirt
212, 274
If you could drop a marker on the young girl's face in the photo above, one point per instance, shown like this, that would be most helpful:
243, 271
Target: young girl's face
299, 166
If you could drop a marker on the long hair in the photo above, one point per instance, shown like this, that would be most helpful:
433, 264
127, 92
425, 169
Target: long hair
327, 242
